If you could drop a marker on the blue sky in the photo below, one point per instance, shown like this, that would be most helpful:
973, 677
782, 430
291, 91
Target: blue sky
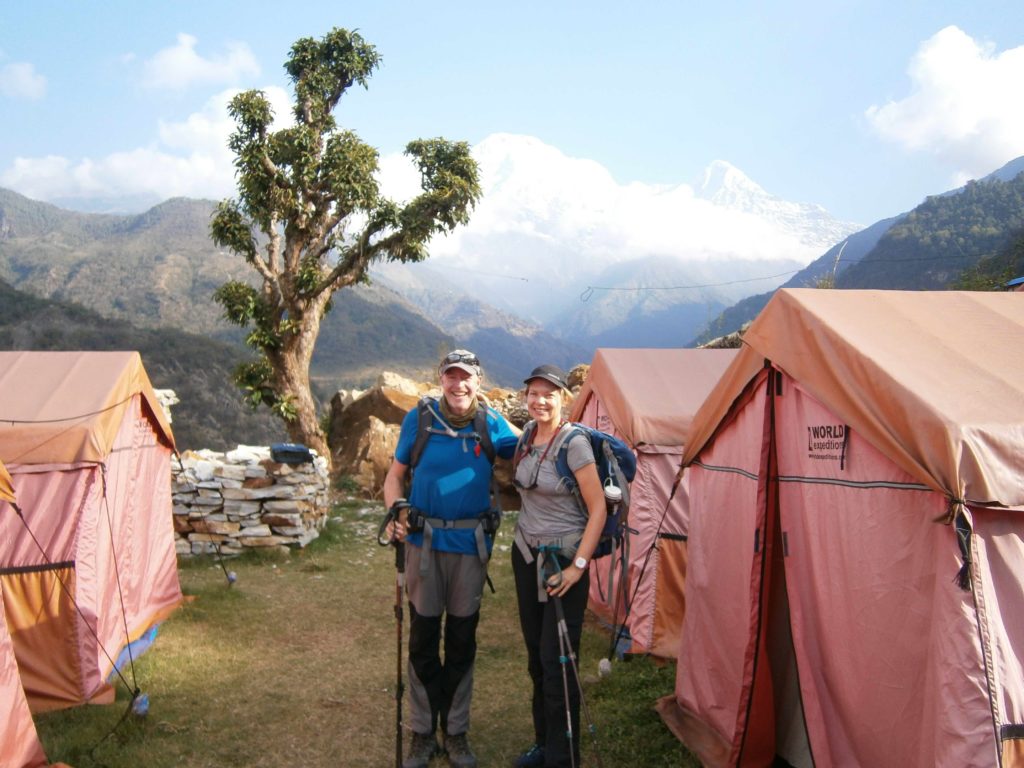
862, 107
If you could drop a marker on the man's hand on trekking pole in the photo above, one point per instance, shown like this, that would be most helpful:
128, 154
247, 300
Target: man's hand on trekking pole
397, 526
395, 531
394, 526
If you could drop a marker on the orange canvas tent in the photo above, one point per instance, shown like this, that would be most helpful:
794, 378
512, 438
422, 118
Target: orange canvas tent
19, 744
648, 398
89, 566
855, 586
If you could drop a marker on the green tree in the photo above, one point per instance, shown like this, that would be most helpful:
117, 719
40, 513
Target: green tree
310, 219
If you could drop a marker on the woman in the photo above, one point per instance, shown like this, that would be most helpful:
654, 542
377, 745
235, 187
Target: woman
554, 539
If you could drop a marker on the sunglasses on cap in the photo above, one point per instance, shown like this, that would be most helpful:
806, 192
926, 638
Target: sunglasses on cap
460, 357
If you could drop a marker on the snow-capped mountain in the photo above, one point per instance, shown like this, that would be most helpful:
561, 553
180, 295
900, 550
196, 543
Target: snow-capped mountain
727, 186
551, 228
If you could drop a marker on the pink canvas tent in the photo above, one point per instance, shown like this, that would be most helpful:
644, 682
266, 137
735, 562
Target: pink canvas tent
19, 743
855, 592
648, 398
89, 566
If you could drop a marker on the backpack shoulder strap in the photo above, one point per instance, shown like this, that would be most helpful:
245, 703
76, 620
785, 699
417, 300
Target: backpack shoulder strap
483, 431
523, 444
424, 418
562, 457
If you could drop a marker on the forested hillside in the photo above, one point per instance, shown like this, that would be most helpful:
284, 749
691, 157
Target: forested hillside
943, 238
211, 413
992, 273
159, 269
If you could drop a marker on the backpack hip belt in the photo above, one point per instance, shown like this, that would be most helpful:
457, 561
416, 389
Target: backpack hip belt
485, 524
528, 545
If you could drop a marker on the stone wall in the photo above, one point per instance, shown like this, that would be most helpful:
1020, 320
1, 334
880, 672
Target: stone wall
241, 499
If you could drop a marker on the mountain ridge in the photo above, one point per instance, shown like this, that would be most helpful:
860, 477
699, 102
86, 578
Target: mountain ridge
860, 249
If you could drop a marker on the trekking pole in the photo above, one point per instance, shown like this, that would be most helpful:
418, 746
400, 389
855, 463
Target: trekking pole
563, 657
568, 655
399, 688
392, 517
553, 577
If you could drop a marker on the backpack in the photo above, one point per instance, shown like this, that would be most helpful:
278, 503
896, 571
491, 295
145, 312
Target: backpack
616, 465
426, 410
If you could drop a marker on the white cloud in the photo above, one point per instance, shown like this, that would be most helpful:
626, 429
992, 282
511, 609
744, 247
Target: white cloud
542, 212
19, 80
188, 158
179, 67
534, 192
963, 104
548, 225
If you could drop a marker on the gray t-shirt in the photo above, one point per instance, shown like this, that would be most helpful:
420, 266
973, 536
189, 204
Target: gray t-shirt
549, 510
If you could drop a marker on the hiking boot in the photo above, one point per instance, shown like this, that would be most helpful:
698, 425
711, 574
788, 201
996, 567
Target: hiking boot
531, 758
459, 753
423, 747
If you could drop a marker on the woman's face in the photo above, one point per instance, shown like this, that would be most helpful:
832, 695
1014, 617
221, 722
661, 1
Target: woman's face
459, 389
544, 402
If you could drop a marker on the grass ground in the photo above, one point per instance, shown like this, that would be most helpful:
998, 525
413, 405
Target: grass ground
295, 664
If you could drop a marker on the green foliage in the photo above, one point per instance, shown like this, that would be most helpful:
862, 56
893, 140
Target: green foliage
346, 484
284, 407
241, 302
310, 193
253, 377
994, 272
826, 281
322, 71
230, 230
944, 236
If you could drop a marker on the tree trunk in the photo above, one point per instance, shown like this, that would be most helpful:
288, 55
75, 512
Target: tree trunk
291, 366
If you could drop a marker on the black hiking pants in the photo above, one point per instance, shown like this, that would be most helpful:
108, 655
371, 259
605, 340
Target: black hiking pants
540, 633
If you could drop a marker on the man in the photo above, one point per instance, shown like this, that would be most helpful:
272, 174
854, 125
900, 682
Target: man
448, 520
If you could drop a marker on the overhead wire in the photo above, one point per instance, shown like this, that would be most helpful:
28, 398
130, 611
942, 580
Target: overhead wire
589, 290
74, 418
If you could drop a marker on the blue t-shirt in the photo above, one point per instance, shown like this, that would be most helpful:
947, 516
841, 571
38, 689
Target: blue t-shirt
452, 480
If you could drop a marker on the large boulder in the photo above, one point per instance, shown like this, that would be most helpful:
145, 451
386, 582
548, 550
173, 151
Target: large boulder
364, 434
576, 377
509, 403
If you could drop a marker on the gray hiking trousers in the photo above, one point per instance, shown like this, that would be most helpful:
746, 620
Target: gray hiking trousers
451, 588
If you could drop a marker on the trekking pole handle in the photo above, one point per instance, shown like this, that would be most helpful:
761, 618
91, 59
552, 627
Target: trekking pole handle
551, 568
392, 515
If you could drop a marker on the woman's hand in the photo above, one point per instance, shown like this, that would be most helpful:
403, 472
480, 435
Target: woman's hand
570, 575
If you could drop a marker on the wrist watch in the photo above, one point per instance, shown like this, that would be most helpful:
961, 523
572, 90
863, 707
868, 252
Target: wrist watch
581, 563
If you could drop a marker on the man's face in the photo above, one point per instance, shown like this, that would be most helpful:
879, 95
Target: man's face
459, 387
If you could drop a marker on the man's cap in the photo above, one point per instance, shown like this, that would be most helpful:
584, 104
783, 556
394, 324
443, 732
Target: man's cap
462, 359
550, 373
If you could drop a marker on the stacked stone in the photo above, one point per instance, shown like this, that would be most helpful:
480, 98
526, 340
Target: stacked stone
241, 499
